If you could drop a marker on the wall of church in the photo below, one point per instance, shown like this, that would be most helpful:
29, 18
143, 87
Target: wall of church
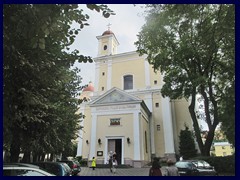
128, 68
125, 129
155, 76
158, 125
103, 77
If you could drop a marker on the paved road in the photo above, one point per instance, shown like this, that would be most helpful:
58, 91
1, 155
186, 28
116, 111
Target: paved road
86, 171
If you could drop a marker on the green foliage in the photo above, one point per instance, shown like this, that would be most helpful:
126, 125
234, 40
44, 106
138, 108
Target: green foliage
187, 145
223, 165
40, 89
193, 45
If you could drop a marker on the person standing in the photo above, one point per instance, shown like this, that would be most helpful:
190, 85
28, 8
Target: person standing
93, 163
155, 170
110, 161
114, 164
172, 170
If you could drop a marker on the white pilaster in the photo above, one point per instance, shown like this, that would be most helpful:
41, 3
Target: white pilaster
96, 77
136, 135
147, 74
167, 126
152, 136
93, 135
109, 75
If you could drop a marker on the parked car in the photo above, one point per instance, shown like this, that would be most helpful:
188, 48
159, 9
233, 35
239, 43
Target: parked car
23, 169
74, 165
195, 168
56, 168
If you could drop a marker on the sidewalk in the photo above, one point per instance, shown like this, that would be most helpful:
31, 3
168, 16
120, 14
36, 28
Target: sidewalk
86, 171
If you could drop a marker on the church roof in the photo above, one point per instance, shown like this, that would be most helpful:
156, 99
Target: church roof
114, 96
108, 32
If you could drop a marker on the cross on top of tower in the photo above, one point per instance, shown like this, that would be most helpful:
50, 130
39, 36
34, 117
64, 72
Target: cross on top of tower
109, 26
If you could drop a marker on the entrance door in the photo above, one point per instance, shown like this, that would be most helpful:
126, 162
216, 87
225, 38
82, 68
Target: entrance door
118, 150
115, 145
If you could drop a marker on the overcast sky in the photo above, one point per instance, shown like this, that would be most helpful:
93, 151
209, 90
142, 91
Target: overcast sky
125, 25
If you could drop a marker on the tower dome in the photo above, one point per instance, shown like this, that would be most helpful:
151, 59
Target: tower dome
90, 87
108, 32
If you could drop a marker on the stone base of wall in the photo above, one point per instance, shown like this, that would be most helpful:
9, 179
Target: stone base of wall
130, 162
171, 156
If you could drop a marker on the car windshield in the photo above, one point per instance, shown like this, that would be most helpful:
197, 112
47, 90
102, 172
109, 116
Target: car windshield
201, 164
184, 165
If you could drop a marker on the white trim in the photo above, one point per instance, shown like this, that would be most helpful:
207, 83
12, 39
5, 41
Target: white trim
136, 137
93, 135
109, 75
167, 126
96, 77
147, 74
152, 137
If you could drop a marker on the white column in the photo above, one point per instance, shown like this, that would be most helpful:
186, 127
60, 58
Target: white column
93, 135
136, 135
167, 126
152, 139
109, 75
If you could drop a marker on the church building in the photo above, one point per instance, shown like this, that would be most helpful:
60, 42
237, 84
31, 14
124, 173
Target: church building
126, 112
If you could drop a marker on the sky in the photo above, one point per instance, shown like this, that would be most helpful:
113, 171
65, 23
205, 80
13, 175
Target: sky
126, 24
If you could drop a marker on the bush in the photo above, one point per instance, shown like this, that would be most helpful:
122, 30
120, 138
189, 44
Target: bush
221, 164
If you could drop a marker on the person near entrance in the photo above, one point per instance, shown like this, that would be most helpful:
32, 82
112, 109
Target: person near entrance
114, 162
110, 160
93, 163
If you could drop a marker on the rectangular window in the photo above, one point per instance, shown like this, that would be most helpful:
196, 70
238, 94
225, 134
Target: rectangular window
155, 82
103, 73
102, 88
128, 82
114, 121
157, 105
158, 127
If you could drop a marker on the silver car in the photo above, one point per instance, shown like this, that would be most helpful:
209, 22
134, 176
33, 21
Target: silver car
23, 169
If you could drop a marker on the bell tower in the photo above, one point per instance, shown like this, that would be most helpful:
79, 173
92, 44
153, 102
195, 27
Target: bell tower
107, 43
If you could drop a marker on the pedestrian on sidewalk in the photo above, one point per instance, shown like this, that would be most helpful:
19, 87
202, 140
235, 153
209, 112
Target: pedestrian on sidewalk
155, 169
172, 170
93, 163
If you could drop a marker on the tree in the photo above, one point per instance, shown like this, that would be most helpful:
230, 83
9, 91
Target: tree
193, 45
40, 90
187, 145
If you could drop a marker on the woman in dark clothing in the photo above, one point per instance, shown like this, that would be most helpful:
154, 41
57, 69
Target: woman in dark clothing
155, 169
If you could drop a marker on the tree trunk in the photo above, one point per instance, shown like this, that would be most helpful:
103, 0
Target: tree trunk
26, 157
15, 150
42, 157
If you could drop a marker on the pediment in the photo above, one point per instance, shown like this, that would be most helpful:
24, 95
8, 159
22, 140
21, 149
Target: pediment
115, 95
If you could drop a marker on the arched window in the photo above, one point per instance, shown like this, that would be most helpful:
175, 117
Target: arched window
128, 82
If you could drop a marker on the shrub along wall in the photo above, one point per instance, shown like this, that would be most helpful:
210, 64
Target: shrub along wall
221, 164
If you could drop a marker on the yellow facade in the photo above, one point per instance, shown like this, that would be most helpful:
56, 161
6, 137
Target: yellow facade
127, 112
222, 149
